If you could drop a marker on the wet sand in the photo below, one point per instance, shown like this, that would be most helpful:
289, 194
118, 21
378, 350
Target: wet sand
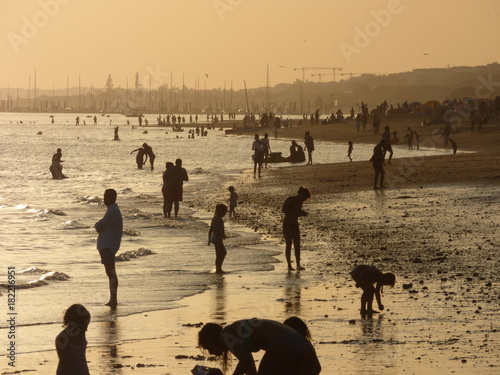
436, 227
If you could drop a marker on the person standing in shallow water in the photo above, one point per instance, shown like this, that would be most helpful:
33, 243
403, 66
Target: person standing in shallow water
110, 229
71, 343
216, 235
168, 164
173, 179
258, 155
292, 208
365, 276
56, 166
140, 157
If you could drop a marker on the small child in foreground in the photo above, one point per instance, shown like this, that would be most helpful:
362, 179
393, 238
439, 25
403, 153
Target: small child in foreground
71, 343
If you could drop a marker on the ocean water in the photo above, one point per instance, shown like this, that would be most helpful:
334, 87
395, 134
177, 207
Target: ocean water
46, 225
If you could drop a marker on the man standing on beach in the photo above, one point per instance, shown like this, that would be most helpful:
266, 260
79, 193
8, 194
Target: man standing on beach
174, 178
110, 229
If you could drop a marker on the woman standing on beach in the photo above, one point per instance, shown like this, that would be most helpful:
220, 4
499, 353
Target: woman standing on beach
292, 208
216, 235
71, 343
285, 348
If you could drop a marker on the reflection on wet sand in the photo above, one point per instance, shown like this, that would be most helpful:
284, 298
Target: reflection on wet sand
110, 330
219, 303
372, 349
292, 294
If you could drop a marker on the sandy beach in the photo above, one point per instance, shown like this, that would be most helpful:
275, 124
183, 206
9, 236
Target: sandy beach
436, 227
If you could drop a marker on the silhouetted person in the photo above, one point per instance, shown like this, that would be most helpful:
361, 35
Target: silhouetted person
174, 181
309, 146
387, 136
141, 156
286, 349
71, 343
56, 166
267, 147
311, 365
292, 208
377, 161
110, 229
349, 150
149, 153
168, 164
365, 276
258, 155
233, 201
453, 145
117, 137
216, 235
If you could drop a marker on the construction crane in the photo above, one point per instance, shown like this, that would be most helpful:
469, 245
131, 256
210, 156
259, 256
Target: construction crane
321, 75
320, 68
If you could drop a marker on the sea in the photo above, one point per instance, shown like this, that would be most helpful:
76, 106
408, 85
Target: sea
48, 240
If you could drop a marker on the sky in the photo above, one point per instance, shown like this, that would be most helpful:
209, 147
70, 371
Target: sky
227, 43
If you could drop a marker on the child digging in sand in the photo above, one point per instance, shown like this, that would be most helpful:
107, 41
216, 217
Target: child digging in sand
216, 235
365, 276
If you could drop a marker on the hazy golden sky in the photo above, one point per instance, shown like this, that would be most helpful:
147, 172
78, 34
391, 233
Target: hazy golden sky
234, 40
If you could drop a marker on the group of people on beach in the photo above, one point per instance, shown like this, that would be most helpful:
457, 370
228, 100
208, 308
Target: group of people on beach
287, 345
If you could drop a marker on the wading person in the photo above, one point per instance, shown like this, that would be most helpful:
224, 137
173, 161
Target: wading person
216, 235
292, 208
110, 229
173, 180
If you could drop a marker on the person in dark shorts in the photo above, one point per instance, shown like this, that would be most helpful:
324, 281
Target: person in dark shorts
292, 208
110, 229
365, 276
